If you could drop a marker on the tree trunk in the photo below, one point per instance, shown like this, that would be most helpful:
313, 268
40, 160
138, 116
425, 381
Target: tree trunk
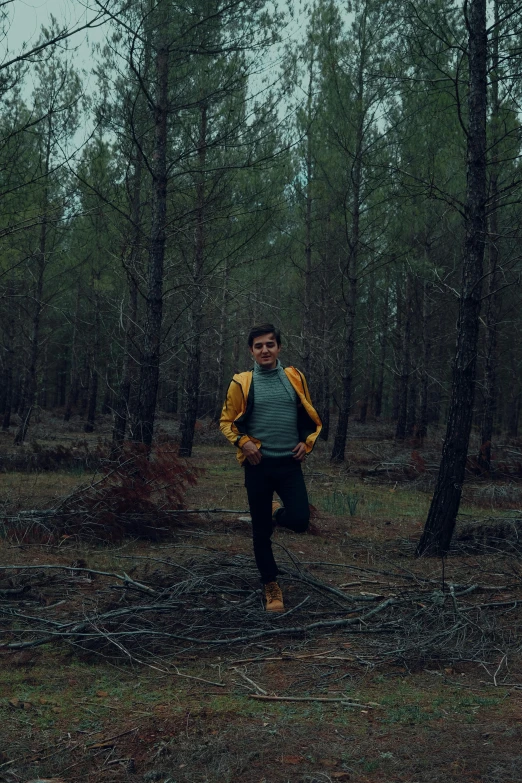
72, 397
6, 420
236, 346
492, 314
405, 369
92, 396
339, 445
325, 407
384, 347
92, 399
150, 359
411, 413
514, 414
191, 396
60, 396
121, 404
18, 383
43, 391
350, 275
306, 334
490, 349
32, 378
440, 523
323, 386
9, 357
422, 429
368, 361
107, 405
222, 336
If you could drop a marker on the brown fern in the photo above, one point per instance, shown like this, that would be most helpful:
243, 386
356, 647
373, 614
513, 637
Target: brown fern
135, 496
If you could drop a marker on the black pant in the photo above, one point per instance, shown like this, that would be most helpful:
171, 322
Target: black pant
284, 476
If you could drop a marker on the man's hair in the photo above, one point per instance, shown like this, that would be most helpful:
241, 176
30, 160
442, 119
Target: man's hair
257, 331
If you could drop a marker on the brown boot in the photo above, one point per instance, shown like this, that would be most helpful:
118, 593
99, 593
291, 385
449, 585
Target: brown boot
276, 505
273, 597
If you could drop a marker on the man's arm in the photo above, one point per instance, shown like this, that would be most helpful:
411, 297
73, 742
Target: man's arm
299, 452
251, 452
231, 410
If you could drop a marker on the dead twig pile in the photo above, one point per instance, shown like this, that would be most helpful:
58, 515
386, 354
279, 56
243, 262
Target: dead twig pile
137, 493
167, 608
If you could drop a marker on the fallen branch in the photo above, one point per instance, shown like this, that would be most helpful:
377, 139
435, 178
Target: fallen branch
340, 700
199, 679
305, 577
124, 578
149, 620
207, 511
256, 686
115, 736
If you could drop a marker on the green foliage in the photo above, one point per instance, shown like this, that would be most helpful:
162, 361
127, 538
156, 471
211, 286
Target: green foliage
340, 503
345, 143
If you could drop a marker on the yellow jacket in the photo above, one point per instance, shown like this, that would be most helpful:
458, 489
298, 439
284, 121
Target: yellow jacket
239, 403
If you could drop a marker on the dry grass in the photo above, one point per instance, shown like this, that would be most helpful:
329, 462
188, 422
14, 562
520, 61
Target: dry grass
88, 714
20, 491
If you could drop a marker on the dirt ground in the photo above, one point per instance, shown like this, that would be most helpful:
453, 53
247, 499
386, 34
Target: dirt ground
413, 676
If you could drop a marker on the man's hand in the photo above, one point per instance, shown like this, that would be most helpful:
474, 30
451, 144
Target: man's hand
299, 452
251, 452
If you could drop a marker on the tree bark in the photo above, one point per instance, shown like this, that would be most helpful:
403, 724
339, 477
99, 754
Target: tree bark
150, 359
306, 325
72, 397
422, 430
107, 404
121, 404
514, 413
490, 348
492, 313
351, 270
92, 396
91, 400
9, 357
222, 336
192, 378
412, 410
405, 369
368, 360
60, 393
442, 514
32, 378
379, 390
323, 387
339, 445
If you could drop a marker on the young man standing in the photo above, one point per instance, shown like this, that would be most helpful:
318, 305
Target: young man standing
269, 417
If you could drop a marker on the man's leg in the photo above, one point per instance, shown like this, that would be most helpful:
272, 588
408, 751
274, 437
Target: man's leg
290, 486
260, 491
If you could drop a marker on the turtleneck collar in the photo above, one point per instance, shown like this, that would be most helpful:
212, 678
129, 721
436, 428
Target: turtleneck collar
267, 370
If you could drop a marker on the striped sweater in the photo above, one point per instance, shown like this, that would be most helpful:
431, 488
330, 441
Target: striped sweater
274, 418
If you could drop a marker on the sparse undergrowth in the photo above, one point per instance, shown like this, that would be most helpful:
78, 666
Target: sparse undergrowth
102, 704
136, 492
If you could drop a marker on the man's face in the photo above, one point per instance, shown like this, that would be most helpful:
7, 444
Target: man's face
265, 350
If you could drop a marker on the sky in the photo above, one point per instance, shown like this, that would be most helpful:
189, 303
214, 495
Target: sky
26, 18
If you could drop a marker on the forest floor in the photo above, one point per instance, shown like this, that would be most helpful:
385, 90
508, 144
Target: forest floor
384, 668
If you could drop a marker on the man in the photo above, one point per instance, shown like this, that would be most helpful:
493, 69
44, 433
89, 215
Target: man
269, 417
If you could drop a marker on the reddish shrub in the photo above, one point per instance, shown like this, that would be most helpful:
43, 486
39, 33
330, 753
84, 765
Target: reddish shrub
135, 496
418, 462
